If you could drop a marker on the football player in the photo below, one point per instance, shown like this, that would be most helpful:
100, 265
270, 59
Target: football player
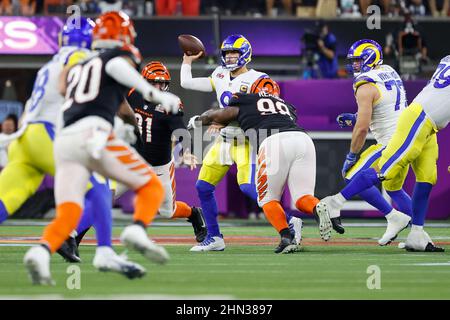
381, 98
232, 76
414, 142
31, 152
94, 91
155, 146
286, 154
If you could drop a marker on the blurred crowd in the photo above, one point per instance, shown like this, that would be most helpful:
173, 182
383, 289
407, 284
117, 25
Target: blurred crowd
255, 8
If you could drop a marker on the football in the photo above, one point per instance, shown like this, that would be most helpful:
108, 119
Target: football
191, 45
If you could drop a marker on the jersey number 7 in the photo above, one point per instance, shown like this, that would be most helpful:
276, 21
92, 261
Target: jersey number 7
398, 85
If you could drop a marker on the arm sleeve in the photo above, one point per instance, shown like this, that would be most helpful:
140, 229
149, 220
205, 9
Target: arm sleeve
117, 67
200, 84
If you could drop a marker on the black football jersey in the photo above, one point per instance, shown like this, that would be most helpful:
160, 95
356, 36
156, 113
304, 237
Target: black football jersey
93, 91
264, 112
156, 127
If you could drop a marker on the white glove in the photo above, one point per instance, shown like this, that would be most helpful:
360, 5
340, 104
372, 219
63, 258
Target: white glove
169, 102
194, 123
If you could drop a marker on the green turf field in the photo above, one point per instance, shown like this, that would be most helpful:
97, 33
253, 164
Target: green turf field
246, 270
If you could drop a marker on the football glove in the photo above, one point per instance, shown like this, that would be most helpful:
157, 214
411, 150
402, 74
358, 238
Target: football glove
346, 119
349, 162
194, 123
169, 102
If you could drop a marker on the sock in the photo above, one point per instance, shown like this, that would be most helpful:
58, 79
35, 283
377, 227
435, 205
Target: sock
363, 180
68, 215
403, 201
99, 205
306, 203
275, 215
182, 210
81, 235
148, 200
420, 199
209, 205
249, 189
3, 212
374, 197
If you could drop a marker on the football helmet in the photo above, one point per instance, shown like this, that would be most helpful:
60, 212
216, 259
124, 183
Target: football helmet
113, 29
266, 85
156, 72
239, 43
364, 56
77, 33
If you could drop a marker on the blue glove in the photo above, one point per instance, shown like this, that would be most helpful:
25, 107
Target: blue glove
346, 119
350, 160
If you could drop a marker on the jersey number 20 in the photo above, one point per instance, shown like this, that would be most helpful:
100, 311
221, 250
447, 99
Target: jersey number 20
85, 80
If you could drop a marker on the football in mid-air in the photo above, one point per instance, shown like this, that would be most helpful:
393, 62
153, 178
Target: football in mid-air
191, 45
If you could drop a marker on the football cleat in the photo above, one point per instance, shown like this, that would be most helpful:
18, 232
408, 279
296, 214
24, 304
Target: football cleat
198, 223
107, 260
337, 225
37, 262
69, 251
286, 245
419, 241
295, 228
325, 226
134, 237
396, 222
210, 244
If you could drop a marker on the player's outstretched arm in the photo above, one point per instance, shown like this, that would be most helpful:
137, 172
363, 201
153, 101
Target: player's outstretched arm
186, 80
121, 69
220, 116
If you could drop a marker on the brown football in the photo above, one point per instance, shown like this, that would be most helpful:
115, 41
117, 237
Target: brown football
191, 45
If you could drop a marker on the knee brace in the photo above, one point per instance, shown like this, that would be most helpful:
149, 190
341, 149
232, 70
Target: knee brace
205, 190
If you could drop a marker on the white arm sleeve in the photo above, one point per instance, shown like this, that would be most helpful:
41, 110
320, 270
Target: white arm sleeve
124, 73
199, 84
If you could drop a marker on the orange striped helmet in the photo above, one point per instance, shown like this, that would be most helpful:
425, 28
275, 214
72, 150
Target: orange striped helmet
113, 28
266, 85
156, 72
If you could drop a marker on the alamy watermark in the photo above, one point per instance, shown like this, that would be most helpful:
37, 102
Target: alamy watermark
373, 282
73, 281
373, 21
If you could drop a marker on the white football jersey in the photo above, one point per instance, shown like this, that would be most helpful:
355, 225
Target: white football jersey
225, 87
391, 103
45, 102
435, 97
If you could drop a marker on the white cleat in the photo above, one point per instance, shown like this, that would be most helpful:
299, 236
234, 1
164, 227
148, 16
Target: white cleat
37, 262
107, 260
210, 244
295, 227
334, 208
396, 222
325, 226
419, 240
134, 237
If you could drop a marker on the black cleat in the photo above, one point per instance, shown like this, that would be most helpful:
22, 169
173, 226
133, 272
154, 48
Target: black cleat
69, 251
429, 248
432, 248
337, 225
198, 223
287, 244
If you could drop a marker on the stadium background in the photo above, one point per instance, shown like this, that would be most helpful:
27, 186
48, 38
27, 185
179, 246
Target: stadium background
28, 41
